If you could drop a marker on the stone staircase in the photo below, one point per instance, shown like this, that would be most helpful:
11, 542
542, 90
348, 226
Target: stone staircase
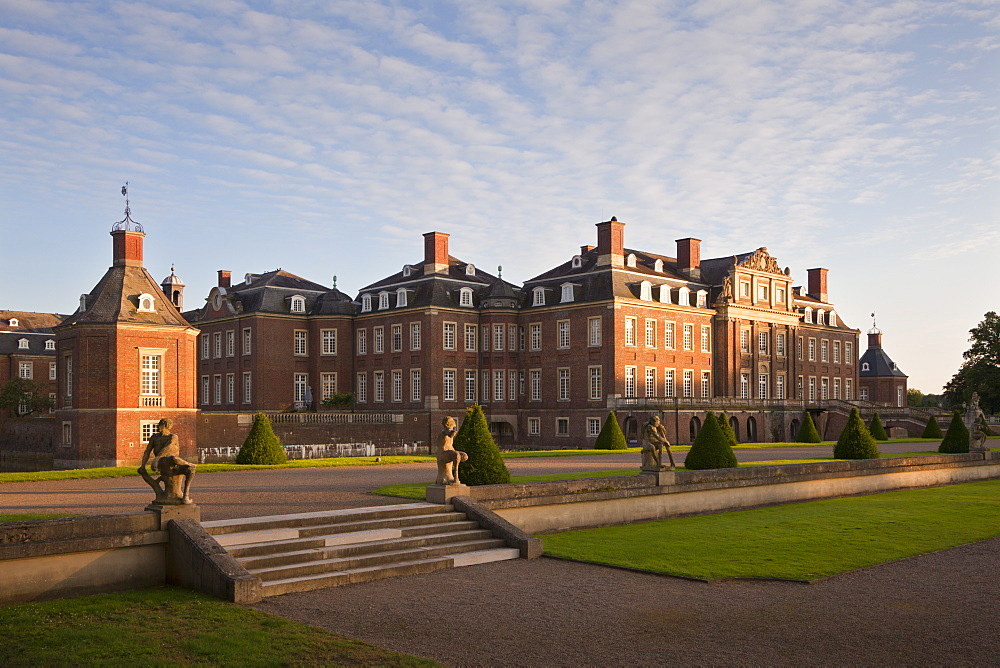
307, 551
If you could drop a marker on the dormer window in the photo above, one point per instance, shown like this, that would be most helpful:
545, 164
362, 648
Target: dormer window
13, 322
366, 303
538, 297
383, 301
664, 294
819, 316
407, 270
684, 296
22, 344
807, 315
146, 303
567, 293
646, 291
465, 297
50, 344
401, 298
577, 262
470, 270
297, 304
832, 319
247, 278
658, 266
630, 260
702, 300
864, 366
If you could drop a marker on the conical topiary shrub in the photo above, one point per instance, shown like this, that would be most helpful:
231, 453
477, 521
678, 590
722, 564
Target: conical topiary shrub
933, 429
611, 436
485, 465
261, 446
876, 428
727, 428
710, 449
957, 438
855, 441
807, 432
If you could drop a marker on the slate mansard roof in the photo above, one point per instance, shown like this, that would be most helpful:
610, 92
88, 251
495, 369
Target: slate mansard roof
115, 299
36, 328
444, 289
879, 365
272, 291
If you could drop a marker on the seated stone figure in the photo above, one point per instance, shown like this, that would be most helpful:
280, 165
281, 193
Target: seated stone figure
448, 458
173, 485
654, 442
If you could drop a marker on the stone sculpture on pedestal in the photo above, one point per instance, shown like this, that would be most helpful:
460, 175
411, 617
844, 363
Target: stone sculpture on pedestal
448, 458
654, 442
173, 485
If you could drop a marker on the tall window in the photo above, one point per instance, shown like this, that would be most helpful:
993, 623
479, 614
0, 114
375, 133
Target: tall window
379, 377
416, 391
824, 350
812, 350
383, 300
535, 334
24, 370
301, 387
231, 343
534, 426
470, 338
562, 327
470, 385
362, 346
512, 385
594, 331
218, 388
688, 337
247, 341
668, 336
415, 338
52, 371
512, 337
779, 344
247, 387
744, 386
629, 331
762, 342
535, 376
824, 388
205, 389
668, 383
485, 386
812, 388
68, 365
688, 383
630, 381
706, 338
798, 348
397, 338
848, 348
595, 382
328, 339
230, 388
205, 346
779, 387
538, 297
563, 384
150, 375
836, 388
744, 340
397, 385
836, 352
650, 382
300, 342
593, 426
449, 385
449, 336
706, 385
465, 297
498, 334
847, 389
361, 387
498, 385
217, 339
762, 386
378, 340
328, 384
567, 293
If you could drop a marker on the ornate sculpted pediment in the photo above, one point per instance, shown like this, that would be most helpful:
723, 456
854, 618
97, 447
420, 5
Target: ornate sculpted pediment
761, 260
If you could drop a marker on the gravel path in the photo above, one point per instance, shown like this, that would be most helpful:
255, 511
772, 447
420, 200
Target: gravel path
936, 609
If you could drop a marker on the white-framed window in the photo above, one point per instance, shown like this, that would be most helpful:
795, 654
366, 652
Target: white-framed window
361, 387
470, 385
864, 393
416, 389
230, 388
520, 383
684, 296
361, 346
779, 344
397, 338
629, 381
498, 334
449, 385
669, 338
688, 337
230, 343
706, 339
702, 299
218, 388
150, 383
512, 385
401, 298
378, 339
812, 388
25, 370
22, 344
594, 372
146, 303
470, 338
535, 376
366, 303
650, 333
397, 385
744, 386
668, 383
50, 344
562, 327
744, 340
658, 266
538, 297
798, 348
301, 342
465, 297
848, 352
205, 389
762, 386
563, 375
779, 296
383, 300
146, 430
664, 294
52, 370
836, 352
688, 383
646, 291
300, 385
847, 389
67, 434
762, 292
498, 385
800, 388
807, 315
534, 426
630, 260
247, 387
520, 337
298, 304
327, 384
535, 335
650, 382
13, 322
865, 366
836, 388
567, 293
706, 385
217, 340
819, 316
812, 350
379, 389
449, 335
328, 341
415, 336
485, 386
594, 424
779, 387
824, 388
562, 426
576, 262
247, 341
832, 319
824, 350
485, 329
762, 342
594, 331
630, 331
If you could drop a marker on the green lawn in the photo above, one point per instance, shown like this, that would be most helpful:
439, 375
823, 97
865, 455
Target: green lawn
25, 517
168, 626
801, 541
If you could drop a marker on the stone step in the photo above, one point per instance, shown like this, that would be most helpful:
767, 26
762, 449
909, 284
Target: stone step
278, 546
344, 515
308, 583
386, 558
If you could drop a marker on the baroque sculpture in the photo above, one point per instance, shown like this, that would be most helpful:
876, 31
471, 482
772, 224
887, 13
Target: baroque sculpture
977, 430
448, 458
654, 442
173, 485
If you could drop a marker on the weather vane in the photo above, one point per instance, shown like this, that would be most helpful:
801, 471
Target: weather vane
126, 223
874, 329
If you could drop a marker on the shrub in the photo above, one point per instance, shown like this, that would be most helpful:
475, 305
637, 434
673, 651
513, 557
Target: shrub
807, 432
933, 429
711, 449
261, 446
876, 428
339, 400
611, 436
485, 466
957, 438
855, 441
727, 428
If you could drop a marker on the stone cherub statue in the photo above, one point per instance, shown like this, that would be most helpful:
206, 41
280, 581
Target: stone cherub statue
974, 422
448, 458
173, 485
654, 442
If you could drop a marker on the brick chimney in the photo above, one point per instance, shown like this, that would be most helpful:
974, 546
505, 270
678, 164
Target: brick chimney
689, 257
586, 249
874, 339
225, 278
127, 248
436, 253
817, 284
611, 243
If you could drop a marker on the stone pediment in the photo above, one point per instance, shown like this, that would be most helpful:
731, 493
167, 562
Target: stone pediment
761, 260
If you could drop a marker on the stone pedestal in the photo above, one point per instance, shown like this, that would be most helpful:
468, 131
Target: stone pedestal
663, 477
441, 493
175, 512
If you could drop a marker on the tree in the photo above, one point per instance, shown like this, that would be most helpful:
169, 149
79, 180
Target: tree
485, 466
261, 446
611, 436
876, 428
957, 437
807, 432
727, 428
22, 397
933, 429
980, 372
855, 441
711, 449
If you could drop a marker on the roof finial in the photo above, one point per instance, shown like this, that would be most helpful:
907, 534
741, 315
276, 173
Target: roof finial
500, 271
334, 282
874, 329
126, 222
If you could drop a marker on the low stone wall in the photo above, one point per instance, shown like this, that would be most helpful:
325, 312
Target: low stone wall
317, 451
573, 504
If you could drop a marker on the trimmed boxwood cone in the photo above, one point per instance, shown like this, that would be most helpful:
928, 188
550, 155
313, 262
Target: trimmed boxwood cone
933, 429
957, 438
485, 466
876, 428
807, 432
261, 446
710, 449
611, 436
855, 441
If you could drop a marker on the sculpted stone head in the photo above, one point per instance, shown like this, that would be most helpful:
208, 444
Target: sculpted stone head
165, 423
448, 422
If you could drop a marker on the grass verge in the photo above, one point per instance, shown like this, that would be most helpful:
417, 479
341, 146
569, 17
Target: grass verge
26, 517
802, 541
156, 627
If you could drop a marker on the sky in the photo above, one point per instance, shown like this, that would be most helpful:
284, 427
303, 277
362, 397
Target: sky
325, 137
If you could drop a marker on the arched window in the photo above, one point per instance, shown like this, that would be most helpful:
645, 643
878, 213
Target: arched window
470, 270
567, 293
366, 303
807, 315
577, 262
864, 366
50, 345
146, 303
407, 270
465, 297
702, 299
832, 319
819, 316
684, 296
298, 304
400, 297
630, 260
383, 300
538, 297
664, 294
22, 343
13, 322
646, 291
658, 266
